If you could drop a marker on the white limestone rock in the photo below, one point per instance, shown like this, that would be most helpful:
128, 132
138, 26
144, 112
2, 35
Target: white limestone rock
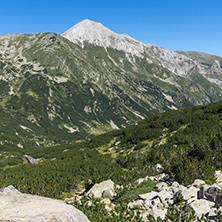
161, 186
158, 213
15, 206
98, 189
201, 206
190, 193
164, 196
148, 196
198, 183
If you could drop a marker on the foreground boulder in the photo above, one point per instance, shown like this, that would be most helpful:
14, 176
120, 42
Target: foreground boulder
15, 206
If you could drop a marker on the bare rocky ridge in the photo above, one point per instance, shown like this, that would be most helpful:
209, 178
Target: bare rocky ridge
180, 63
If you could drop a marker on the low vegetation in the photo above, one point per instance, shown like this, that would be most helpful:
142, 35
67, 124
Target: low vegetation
187, 142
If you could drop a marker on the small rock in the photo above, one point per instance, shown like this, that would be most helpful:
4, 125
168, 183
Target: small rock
147, 204
212, 214
105, 201
164, 195
148, 196
175, 184
139, 203
190, 193
109, 193
158, 213
218, 176
153, 178
198, 183
139, 181
155, 201
161, 186
158, 167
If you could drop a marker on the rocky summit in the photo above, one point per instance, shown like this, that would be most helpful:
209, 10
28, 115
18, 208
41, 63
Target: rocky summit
89, 80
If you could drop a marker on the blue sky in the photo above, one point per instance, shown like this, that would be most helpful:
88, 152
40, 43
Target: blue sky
173, 24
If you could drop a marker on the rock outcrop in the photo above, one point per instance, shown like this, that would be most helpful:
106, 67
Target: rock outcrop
28, 159
15, 206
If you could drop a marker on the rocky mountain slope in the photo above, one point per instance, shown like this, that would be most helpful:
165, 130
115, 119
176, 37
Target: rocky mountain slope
90, 80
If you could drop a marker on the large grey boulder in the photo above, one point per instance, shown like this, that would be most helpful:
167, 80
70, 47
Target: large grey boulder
201, 206
214, 193
15, 206
103, 189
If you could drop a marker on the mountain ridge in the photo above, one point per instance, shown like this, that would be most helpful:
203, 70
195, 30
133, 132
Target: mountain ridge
61, 91
77, 34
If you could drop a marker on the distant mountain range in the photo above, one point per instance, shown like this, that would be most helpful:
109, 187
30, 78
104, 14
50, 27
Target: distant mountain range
89, 80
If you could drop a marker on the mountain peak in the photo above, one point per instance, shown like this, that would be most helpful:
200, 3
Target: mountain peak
89, 31
97, 34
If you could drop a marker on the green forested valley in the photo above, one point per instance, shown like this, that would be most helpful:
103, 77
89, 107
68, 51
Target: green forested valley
187, 142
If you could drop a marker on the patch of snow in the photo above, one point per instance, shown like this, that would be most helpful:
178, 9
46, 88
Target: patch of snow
60, 79
215, 81
20, 145
25, 128
50, 92
135, 113
113, 125
37, 143
71, 130
168, 97
169, 80
87, 109
92, 91
11, 92
172, 107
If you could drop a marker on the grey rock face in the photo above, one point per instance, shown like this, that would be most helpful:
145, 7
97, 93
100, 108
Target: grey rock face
15, 206
214, 194
201, 192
